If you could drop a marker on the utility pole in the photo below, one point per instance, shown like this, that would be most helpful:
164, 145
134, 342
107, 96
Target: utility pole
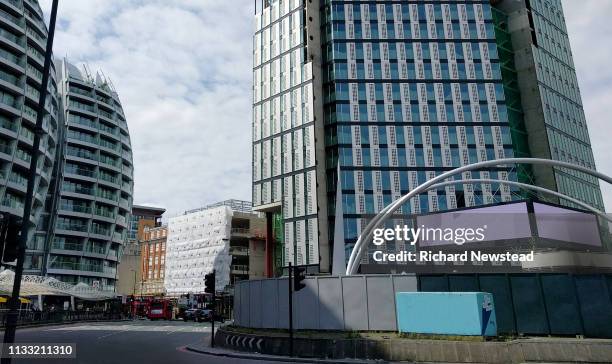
290, 288
13, 314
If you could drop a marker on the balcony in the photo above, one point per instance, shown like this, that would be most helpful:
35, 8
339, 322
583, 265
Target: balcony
80, 91
107, 196
81, 172
95, 229
77, 189
121, 220
82, 121
243, 232
12, 202
108, 129
67, 246
73, 152
108, 145
18, 179
123, 203
11, 18
95, 249
110, 179
23, 155
6, 149
76, 208
85, 267
71, 227
118, 237
238, 250
109, 161
240, 269
105, 213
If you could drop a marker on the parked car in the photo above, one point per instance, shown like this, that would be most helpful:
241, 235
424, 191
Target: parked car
194, 314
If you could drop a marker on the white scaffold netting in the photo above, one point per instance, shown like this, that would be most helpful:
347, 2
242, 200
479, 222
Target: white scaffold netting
47, 286
198, 242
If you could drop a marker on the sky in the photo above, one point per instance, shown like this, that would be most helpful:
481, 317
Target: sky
182, 69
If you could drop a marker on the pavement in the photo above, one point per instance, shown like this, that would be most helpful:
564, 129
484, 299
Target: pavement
204, 348
139, 341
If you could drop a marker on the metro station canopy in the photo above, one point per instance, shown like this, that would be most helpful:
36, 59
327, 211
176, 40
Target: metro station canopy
39, 285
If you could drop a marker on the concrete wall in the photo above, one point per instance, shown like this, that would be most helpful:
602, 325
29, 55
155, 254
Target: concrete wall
326, 303
125, 275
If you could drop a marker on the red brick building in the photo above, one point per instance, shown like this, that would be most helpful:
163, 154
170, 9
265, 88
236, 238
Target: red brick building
153, 260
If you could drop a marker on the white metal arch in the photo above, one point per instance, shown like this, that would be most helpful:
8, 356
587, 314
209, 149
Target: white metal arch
522, 185
384, 214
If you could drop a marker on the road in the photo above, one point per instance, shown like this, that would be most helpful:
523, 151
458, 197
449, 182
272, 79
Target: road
127, 342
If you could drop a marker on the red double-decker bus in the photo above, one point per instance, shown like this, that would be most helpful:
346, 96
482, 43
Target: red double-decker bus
160, 309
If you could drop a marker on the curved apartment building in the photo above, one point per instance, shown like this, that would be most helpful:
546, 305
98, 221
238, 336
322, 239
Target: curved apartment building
23, 38
93, 182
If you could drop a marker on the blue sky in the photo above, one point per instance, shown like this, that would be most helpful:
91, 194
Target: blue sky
182, 69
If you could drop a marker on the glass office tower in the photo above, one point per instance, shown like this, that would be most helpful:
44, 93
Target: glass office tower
385, 95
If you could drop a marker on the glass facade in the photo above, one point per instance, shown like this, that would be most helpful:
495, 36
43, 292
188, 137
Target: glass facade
411, 89
564, 117
284, 175
403, 91
94, 182
23, 38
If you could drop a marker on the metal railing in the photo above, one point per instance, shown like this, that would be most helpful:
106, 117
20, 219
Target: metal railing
27, 317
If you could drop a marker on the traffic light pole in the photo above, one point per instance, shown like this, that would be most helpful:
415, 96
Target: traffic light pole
290, 288
210, 287
13, 314
212, 326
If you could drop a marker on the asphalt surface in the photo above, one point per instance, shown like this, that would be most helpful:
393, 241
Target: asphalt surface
138, 341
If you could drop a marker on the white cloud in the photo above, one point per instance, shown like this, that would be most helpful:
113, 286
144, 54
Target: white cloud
183, 72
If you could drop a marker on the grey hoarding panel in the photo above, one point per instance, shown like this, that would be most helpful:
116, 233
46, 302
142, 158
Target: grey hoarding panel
269, 303
244, 299
405, 283
331, 316
283, 303
561, 304
306, 303
529, 304
595, 305
499, 287
237, 305
381, 303
355, 303
255, 304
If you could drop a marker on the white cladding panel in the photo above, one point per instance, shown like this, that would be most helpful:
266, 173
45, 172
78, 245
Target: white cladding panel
197, 243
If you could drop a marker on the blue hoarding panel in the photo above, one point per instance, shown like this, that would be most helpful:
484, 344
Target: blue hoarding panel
529, 305
595, 305
561, 304
464, 313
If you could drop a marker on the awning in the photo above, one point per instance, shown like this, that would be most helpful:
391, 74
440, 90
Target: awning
22, 299
46, 286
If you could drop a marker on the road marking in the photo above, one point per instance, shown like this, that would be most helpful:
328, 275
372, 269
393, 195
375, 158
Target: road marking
169, 329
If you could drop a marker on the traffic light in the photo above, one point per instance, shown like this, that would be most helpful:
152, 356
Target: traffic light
10, 231
299, 274
209, 281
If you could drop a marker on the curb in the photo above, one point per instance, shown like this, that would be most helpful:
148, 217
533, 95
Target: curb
30, 326
237, 355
